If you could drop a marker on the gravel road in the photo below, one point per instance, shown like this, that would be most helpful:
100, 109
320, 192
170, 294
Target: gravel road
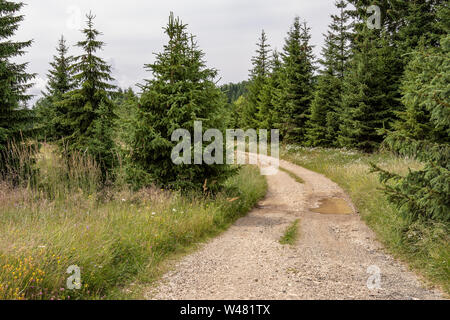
335, 257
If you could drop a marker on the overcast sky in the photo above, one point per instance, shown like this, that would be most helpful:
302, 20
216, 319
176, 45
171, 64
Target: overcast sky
226, 30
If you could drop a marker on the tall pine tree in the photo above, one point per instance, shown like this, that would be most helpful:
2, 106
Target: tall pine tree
258, 78
424, 194
60, 78
370, 93
181, 92
86, 112
298, 71
14, 81
268, 112
60, 81
323, 124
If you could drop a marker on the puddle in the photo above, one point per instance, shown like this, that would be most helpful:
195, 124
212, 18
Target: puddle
333, 206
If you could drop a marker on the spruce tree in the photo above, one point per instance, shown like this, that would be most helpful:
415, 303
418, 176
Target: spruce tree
234, 90
86, 112
60, 81
258, 78
298, 82
323, 124
424, 194
370, 96
269, 113
15, 118
428, 21
14, 79
181, 92
419, 25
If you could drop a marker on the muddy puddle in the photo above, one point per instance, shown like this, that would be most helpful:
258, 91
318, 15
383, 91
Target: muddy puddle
333, 206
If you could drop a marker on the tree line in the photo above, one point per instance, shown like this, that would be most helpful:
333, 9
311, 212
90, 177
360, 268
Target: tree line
374, 88
83, 112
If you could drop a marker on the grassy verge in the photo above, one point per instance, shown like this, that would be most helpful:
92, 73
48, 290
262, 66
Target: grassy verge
111, 235
292, 175
291, 234
424, 246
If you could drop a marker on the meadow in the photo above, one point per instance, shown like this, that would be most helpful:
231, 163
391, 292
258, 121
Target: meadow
62, 219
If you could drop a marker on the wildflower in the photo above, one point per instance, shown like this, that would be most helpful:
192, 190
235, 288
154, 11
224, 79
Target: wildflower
153, 213
174, 210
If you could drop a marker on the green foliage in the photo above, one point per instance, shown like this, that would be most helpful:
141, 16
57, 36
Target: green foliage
182, 91
323, 123
60, 81
269, 113
15, 118
234, 90
418, 24
126, 102
60, 78
258, 77
324, 119
370, 93
235, 93
297, 83
238, 108
424, 133
85, 114
290, 236
112, 240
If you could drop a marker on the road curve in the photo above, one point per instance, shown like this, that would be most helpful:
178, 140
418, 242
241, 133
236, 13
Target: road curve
335, 257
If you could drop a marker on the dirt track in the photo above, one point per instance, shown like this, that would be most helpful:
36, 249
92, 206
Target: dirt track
329, 261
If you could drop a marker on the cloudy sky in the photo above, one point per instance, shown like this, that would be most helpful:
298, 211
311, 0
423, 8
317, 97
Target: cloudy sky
226, 30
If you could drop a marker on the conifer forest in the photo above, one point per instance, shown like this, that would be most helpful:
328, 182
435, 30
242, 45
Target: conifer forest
93, 205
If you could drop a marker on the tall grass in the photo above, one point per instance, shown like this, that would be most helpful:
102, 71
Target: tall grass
110, 234
290, 236
425, 246
17, 163
60, 176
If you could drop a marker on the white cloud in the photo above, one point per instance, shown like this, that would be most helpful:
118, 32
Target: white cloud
226, 30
